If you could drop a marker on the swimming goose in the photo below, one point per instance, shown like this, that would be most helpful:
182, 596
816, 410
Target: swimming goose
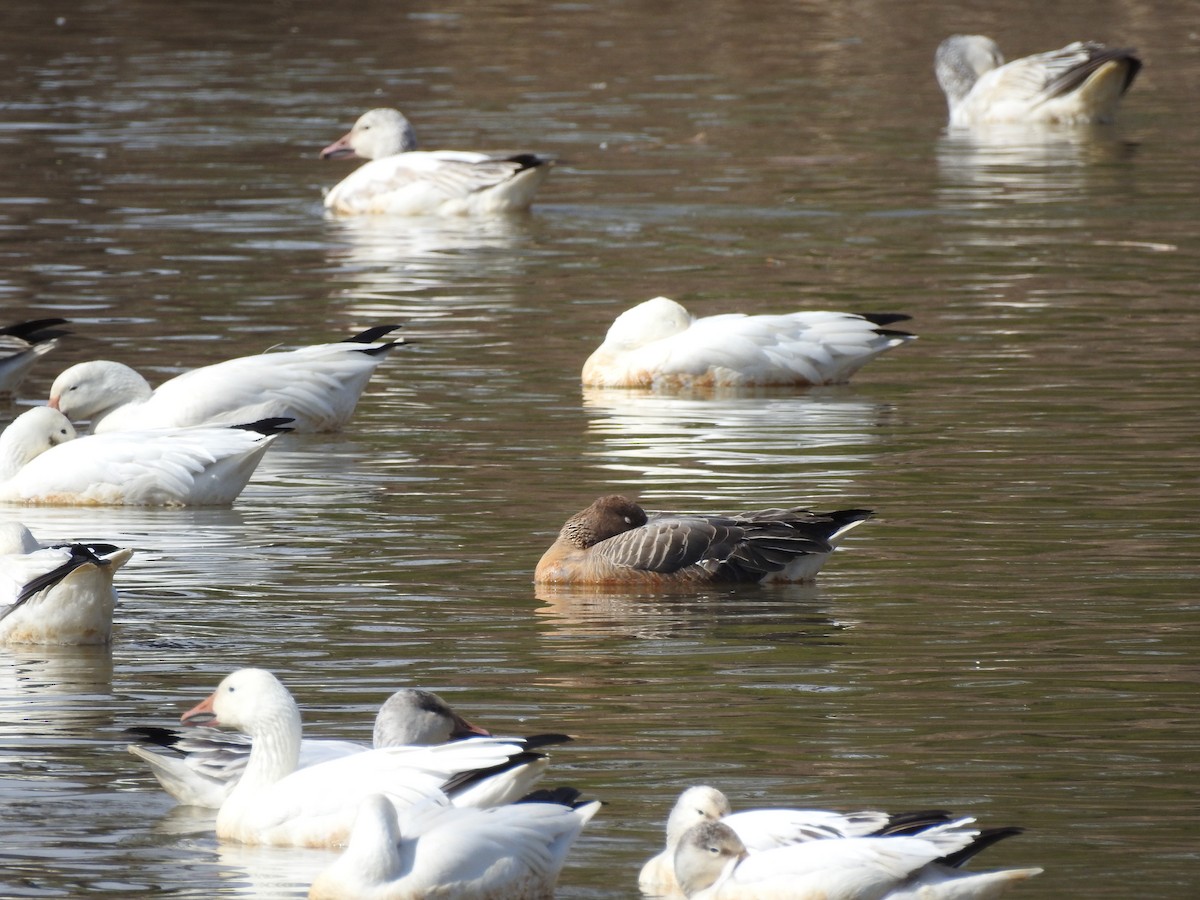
42, 462
199, 766
276, 803
317, 386
512, 852
659, 344
613, 541
56, 595
712, 863
765, 829
403, 181
1080, 84
22, 345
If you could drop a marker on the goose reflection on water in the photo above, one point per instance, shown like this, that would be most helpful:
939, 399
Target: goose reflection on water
712, 447
1028, 164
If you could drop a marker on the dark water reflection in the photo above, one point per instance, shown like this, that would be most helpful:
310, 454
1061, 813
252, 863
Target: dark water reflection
1011, 635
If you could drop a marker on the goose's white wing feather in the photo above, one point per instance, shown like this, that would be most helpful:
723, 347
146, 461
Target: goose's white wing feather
190, 466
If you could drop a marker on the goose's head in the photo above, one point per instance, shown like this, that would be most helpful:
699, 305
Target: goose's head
378, 133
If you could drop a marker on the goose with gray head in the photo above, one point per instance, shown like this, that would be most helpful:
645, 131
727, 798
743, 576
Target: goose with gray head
277, 803
1079, 84
712, 863
199, 765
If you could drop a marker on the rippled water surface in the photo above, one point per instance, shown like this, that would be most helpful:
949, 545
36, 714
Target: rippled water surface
1013, 636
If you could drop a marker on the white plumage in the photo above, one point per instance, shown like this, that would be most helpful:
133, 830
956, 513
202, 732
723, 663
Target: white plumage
510, 852
317, 386
276, 803
1079, 84
758, 829
56, 595
403, 181
659, 344
41, 462
712, 863
200, 766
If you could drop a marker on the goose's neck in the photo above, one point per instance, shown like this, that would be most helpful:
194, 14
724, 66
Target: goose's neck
275, 752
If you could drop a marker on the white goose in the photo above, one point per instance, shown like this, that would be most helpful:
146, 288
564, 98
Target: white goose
659, 344
199, 766
766, 829
712, 863
21, 346
56, 595
1080, 84
276, 803
41, 462
403, 181
512, 852
317, 386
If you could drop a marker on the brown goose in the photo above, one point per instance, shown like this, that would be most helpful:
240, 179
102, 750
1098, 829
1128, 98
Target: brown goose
613, 541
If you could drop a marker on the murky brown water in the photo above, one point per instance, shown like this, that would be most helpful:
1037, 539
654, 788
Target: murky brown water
1013, 637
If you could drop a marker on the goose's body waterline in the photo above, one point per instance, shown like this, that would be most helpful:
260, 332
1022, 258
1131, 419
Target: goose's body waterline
43, 463
511, 852
56, 595
1079, 84
712, 863
21, 346
317, 386
614, 541
659, 344
276, 803
400, 180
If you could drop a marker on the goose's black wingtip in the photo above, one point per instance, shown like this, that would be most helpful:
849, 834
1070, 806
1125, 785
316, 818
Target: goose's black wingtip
267, 427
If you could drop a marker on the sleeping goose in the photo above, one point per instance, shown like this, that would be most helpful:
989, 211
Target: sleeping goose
614, 541
42, 462
401, 180
659, 344
22, 345
512, 852
712, 863
1079, 84
765, 829
317, 386
199, 766
56, 595
276, 803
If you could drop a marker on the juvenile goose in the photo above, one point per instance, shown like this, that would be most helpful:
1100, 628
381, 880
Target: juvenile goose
42, 462
317, 386
712, 863
56, 595
765, 829
659, 344
401, 180
22, 345
512, 852
613, 541
1079, 84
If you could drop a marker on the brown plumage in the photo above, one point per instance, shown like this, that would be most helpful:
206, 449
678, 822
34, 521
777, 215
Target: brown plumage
613, 541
